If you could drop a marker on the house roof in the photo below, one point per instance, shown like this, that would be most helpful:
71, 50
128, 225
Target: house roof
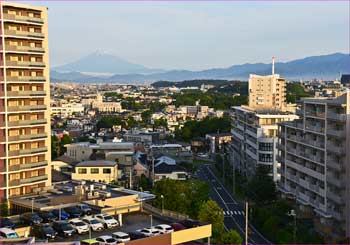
97, 163
164, 168
67, 160
164, 159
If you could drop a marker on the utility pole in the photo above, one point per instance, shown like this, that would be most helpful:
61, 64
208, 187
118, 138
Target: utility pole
246, 223
233, 178
153, 171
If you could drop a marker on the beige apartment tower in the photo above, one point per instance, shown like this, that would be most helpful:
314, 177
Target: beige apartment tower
25, 153
267, 92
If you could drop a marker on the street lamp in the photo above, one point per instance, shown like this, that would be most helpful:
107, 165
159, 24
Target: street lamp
162, 197
151, 220
293, 213
33, 205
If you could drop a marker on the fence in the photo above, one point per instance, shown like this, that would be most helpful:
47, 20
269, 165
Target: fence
165, 214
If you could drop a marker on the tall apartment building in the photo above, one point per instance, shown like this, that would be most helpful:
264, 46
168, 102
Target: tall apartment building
315, 163
24, 100
267, 92
254, 139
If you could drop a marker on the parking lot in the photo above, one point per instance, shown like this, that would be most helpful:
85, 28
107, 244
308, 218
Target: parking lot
131, 222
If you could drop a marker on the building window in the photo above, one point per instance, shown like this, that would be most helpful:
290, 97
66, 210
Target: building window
265, 158
107, 171
265, 146
94, 171
82, 170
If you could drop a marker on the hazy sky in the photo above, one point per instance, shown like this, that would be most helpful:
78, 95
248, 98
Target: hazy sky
196, 35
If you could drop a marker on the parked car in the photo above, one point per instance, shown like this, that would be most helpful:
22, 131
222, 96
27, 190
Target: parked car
44, 231
134, 235
31, 218
177, 226
6, 233
190, 223
164, 229
106, 240
79, 226
74, 212
47, 217
95, 224
149, 232
63, 228
121, 236
107, 220
7, 223
84, 208
61, 214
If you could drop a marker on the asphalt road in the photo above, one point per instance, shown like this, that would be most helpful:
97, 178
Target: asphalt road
234, 213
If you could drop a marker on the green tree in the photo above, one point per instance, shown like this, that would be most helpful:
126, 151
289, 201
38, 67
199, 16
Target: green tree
55, 148
109, 122
4, 209
261, 189
231, 237
212, 213
66, 139
295, 91
146, 116
162, 122
144, 183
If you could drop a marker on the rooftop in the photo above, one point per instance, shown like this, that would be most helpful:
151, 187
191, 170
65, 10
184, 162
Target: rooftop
96, 163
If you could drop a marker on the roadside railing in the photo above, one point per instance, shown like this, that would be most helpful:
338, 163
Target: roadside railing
167, 214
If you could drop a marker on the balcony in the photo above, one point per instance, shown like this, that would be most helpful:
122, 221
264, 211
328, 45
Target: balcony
314, 128
336, 133
335, 165
27, 151
24, 34
336, 116
26, 108
27, 137
315, 114
25, 93
28, 180
26, 78
25, 64
32, 20
340, 183
335, 197
338, 149
24, 49
28, 166
27, 122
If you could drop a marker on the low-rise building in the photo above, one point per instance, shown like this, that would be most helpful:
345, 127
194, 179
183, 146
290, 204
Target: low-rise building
98, 170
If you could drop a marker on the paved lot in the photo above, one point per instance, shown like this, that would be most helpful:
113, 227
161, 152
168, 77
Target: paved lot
131, 222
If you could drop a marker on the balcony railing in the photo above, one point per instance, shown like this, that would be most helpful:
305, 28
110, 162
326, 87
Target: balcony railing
27, 151
24, 48
336, 116
33, 20
28, 180
28, 166
26, 78
335, 197
336, 133
25, 63
338, 149
27, 137
315, 114
24, 33
27, 122
26, 108
26, 93
317, 129
340, 183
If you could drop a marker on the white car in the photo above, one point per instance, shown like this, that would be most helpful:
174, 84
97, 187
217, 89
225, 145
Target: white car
121, 236
164, 229
149, 232
95, 224
79, 226
7, 233
107, 220
106, 240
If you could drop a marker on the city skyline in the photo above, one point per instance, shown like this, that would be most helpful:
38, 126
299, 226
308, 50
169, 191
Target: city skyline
206, 34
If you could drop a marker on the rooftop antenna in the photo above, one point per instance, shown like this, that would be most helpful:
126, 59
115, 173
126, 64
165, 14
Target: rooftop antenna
273, 65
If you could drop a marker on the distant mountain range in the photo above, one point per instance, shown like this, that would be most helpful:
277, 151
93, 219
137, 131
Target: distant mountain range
90, 68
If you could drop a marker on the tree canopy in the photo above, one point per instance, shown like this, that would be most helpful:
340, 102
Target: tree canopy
208, 125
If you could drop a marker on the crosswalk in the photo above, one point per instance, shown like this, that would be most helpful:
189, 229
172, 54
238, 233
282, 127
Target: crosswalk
230, 213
